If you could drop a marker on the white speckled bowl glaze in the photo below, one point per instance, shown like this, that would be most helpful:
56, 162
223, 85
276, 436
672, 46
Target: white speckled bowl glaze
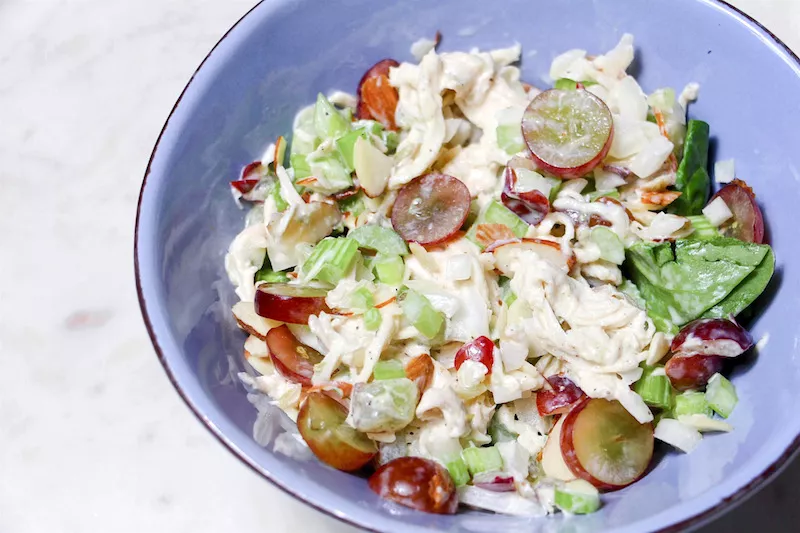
283, 52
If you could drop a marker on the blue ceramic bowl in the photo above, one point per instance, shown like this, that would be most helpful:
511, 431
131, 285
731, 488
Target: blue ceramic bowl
283, 52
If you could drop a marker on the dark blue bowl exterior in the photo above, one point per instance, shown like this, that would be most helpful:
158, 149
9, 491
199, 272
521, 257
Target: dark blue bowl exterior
282, 53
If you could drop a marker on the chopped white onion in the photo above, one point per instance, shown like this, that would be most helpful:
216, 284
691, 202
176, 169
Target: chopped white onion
459, 267
717, 212
606, 181
499, 502
420, 47
629, 99
651, 157
705, 423
724, 171
678, 434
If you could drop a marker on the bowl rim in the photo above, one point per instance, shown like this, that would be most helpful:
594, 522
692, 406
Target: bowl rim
690, 523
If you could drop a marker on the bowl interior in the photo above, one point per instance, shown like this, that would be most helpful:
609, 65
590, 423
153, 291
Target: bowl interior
284, 52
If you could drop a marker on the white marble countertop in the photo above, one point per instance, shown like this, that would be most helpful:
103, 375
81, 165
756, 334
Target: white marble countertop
94, 438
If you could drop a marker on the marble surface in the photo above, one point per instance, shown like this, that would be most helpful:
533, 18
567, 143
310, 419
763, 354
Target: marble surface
94, 438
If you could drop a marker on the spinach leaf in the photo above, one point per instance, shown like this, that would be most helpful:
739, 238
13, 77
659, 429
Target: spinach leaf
747, 291
689, 180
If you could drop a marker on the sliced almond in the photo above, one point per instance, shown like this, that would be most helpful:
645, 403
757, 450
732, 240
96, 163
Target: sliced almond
252, 323
489, 234
257, 356
553, 462
506, 255
659, 198
372, 167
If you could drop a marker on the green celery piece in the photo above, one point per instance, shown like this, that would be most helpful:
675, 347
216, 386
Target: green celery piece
389, 269
383, 405
458, 472
328, 122
497, 213
681, 287
499, 432
380, 239
280, 203
419, 311
330, 169
482, 459
362, 299
655, 389
346, 144
747, 291
304, 138
509, 138
300, 165
331, 259
391, 140
573, 498
702, 228
266, 274
692, 184
391, 369
611, 247
596, 195
721, 395
372, 319
691, 403
566, 84
353, 205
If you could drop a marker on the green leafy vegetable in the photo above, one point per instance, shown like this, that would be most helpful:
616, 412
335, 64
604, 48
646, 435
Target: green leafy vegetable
267, 275
380, 239
692, 177
680, 285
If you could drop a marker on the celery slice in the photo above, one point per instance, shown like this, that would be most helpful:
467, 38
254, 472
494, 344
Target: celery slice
372, 319
389, 269
703, 229
528, 180
380, 239
362, 299
300, 166
352, 205
497, 213
654, 388
458, 472
596, 195
566, 84
346, 143
611, 247
331, 259
385, 405
482, 460
419, 311
691, 403
509, 138
328, 122
392, 369
721, 395
577, 497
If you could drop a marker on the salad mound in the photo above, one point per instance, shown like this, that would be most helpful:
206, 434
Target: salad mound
491, 294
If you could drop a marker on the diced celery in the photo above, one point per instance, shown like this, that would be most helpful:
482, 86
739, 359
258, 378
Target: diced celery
331, 174
372, 319
703, 229
354, 205
266, 274
654, 388
691, 403
419, 311
331, 259
385, 405
389, 269
566, 84
662, 100
382, 240
611, 247
509, 138
596, 195
577, 497
506, 293
362, 299
304, 135
390, 139
528, 180
300, 166
328, 122
482, 459
721, 395
458, 472
497, 213
499, 432
391, 369
346, 143
280, 203
629, 289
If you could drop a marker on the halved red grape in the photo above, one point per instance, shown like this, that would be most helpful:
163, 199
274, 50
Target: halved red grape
567, 132
747, 223
377, 99
560, 399
290, 303
293, 360
530, 206
605, 445
480, 350
321, 422
712, 336
418, 483
420, 371
689, 372
431, 208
